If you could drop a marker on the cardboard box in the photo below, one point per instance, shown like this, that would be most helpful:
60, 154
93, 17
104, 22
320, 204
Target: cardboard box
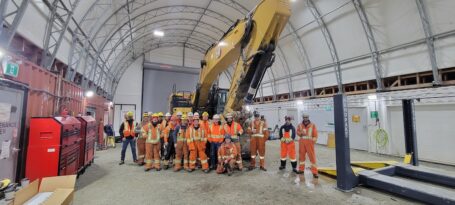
61, 189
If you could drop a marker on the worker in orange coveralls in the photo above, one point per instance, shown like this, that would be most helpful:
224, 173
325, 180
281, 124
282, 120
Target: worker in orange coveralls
152, 145
196, 140
181, 147
142, 138
226, 156
235, 130
308, 135
258, 131
287, 137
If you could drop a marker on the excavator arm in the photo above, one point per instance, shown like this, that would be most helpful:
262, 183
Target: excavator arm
250, 43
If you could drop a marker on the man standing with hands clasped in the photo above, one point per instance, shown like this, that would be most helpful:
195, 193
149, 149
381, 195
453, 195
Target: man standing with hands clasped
308, 136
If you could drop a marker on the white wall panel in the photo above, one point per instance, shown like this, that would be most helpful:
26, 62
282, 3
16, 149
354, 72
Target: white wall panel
412, 60
346, 29
445, 52
358, 71
324, 78
129, 90
314, 43
442, 17
394, 22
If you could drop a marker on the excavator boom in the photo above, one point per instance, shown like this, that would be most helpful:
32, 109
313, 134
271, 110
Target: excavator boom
250, 43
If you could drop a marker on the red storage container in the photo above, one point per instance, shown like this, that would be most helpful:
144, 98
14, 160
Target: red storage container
53, 147
89, 130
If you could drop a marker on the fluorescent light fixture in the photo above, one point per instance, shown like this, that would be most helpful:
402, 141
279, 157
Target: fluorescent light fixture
89, 93
247, 108
158, 33
299, 102
372, 97
222, 43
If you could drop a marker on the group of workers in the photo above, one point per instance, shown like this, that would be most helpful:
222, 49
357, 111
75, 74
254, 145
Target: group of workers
186, 141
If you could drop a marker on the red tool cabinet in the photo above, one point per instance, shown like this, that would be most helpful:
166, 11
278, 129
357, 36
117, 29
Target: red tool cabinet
89, 130
53, 147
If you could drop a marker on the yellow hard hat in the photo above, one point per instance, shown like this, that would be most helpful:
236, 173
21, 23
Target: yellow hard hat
160, 114
146, 114
205, 114
184, 117
130, 114
155, 115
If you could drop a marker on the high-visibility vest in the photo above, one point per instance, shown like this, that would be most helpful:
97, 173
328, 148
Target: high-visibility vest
259, 132
308, 135
144, 131
287, 136
216, 134
197, 135
227, 152
233, 132
153, 134
129, 131
181, 135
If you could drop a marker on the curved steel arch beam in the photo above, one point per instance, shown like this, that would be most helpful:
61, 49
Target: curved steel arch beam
304, 57
16, 12
126, 53
330, 43
144, 39
103, 44
285, 65
172, 33
375, 56
126, 65
424, 18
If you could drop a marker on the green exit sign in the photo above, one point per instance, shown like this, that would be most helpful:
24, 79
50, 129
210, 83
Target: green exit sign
11, 69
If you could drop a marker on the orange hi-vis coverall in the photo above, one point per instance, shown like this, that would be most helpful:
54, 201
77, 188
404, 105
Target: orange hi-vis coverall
259, 135
141, 143
196, 140
235, 130
287, 136
226, 154
308, 135
181, 149
152, 147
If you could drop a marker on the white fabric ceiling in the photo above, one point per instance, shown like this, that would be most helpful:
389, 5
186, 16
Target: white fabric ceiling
121, 31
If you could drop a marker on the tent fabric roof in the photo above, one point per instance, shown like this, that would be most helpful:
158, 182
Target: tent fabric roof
326, 42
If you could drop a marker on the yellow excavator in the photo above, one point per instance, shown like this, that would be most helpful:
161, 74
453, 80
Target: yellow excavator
250, 43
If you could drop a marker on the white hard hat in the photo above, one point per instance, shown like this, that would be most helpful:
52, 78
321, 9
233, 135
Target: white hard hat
168, 114
196, 114
190, 114
229, 115
216, 117
179, 113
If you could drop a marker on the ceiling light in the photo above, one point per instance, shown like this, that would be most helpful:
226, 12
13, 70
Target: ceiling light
158, 33
292, 0
299, 102
89, 93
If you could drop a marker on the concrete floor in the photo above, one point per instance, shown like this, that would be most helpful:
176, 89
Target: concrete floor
105, 182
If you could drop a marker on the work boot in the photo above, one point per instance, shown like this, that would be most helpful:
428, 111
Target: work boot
283, 165
158, 169
206, 171
166, 167
147, 169
294, 167
315, 176
262, 165
121, 162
